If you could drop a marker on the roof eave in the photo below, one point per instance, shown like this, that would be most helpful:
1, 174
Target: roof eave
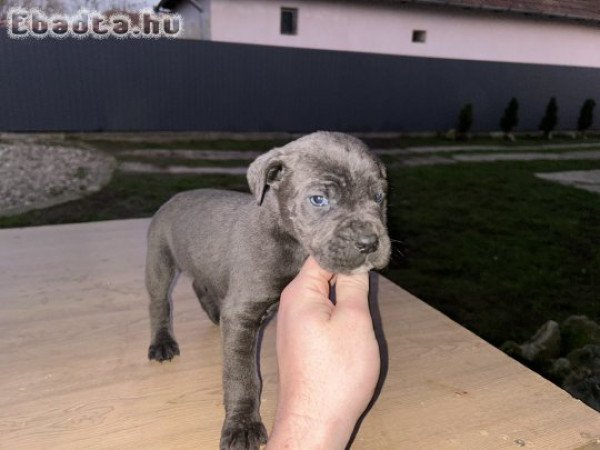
510, 11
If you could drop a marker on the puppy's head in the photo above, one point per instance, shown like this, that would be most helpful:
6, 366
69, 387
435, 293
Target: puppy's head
329, 193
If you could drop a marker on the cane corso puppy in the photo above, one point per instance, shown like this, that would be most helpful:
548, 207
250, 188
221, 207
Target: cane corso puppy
323, 194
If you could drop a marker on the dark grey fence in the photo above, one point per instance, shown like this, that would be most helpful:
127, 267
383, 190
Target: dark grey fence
91, 85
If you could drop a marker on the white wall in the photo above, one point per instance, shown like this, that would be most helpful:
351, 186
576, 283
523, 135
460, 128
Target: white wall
388, 29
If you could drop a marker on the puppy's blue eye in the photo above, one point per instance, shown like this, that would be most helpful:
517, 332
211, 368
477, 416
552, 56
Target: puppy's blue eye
318, 200
379, 197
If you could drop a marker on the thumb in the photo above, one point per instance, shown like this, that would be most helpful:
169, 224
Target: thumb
352, 293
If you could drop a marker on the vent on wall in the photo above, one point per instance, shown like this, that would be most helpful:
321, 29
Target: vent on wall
419, 36
289, 21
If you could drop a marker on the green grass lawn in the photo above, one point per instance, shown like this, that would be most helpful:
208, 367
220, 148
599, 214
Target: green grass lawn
495, 248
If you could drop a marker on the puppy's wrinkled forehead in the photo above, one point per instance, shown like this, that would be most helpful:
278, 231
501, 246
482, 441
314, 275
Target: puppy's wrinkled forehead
337, 158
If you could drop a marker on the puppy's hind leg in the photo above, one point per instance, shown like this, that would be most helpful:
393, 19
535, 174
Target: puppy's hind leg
209, 302
160, 276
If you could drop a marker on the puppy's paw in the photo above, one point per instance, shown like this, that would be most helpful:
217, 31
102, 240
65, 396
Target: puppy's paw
163, 348
243, 434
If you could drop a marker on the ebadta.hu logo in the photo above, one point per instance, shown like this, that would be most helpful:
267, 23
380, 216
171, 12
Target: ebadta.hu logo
24, 23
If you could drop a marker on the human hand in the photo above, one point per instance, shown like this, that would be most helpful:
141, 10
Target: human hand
328, 360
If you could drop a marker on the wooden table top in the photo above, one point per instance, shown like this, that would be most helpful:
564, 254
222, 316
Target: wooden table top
74, 372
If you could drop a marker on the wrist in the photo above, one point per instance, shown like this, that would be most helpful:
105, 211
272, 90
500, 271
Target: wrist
298, 432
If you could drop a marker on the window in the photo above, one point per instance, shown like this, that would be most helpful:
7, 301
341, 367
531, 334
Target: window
419, 36
289, 21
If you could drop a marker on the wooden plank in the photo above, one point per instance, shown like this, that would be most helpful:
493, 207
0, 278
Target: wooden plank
74, 372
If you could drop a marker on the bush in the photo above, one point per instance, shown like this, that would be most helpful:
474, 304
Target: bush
465, 121
550, 118
586, 115
510, 118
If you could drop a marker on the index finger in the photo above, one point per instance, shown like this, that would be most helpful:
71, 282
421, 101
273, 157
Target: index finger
312, 281
315, 277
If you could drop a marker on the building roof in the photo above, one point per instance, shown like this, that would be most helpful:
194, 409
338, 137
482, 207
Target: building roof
581, 10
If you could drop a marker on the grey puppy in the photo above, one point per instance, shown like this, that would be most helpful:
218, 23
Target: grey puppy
323, 194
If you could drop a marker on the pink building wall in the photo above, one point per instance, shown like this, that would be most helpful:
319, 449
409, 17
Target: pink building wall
387, 29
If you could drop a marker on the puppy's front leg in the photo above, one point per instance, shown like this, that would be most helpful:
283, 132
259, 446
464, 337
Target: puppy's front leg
240, 324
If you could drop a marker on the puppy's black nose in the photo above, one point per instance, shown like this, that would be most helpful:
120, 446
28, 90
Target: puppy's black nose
367, 243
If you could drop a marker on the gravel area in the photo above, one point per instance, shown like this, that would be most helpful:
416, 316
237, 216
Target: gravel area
151, 168
220, 155
408, 151
36, 175
588, 180
484, 148
589, 155
567, 156
422, 160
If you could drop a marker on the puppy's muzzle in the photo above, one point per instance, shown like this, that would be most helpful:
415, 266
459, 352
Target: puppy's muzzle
360, 235
353, 245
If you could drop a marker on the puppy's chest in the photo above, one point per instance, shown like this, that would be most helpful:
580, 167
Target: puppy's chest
274, 273
274, 279
287, 266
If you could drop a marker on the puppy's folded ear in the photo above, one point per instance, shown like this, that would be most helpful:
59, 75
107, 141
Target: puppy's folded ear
264, 172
